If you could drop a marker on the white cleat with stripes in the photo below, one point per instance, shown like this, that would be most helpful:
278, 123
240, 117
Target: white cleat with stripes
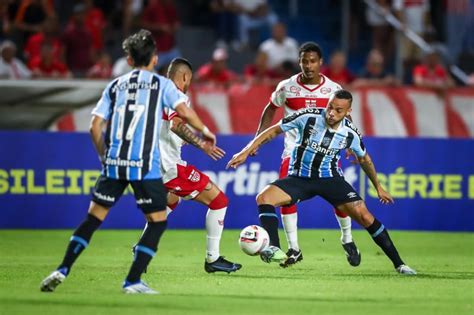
405, 270
138, 288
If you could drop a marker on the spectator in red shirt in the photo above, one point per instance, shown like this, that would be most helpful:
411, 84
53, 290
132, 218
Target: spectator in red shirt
216, 71
95, 22
78, 43
431, 74
47, 66
259, 72
160, 17
102, 68
49, 35
337, 70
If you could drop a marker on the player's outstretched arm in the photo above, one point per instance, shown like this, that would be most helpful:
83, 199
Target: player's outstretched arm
95, 129
265, 120
253, 145
189, 115
369, 169
179, 127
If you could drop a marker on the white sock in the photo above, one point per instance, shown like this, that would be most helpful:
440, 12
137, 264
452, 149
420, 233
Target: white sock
346, 231
214, 227
290, 225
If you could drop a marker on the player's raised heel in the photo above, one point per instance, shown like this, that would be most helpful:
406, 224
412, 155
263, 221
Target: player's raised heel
273, 254
294, 256
352, 254
138, 288
221, 264
50, 283
405, 270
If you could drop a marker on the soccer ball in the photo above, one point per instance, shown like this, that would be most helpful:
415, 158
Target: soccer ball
253, 239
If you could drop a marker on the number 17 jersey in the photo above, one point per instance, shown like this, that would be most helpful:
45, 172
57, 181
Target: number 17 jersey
132, 106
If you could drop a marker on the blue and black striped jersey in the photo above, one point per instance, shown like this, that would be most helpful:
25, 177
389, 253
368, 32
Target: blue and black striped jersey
132, 105
318, 147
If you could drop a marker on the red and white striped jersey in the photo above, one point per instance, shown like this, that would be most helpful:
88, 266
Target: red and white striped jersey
293, 95
170, 145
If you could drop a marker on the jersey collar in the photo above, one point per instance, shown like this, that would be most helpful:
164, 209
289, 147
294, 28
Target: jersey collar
298, 80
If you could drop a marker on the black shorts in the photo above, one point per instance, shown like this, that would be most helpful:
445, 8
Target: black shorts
150, 194
334, 190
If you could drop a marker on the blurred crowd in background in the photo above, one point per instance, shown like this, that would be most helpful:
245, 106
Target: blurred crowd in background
243, 40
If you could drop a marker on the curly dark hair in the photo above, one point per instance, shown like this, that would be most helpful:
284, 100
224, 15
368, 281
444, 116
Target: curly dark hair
140, 47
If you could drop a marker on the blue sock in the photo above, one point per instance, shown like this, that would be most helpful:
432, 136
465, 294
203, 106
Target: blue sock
78, 242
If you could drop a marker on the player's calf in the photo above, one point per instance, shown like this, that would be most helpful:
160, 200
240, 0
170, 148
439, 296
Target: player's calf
381, 237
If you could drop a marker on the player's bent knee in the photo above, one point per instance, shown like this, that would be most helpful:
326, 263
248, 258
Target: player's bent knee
219, 202
156, 216
264, 199
366, 219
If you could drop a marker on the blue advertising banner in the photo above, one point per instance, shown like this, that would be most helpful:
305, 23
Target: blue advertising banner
46, 180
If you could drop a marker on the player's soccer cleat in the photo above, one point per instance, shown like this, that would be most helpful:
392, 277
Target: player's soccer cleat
221, 264
273, 254
138, 288
405, 270
50, 283
352, 253
294, 256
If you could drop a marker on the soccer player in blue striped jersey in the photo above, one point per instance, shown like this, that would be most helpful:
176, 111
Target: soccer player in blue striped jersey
130, 110
314, 171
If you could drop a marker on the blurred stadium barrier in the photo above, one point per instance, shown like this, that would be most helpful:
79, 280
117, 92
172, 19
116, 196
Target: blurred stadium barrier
385, 112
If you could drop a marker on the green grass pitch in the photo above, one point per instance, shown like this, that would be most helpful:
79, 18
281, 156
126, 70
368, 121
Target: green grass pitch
323, 283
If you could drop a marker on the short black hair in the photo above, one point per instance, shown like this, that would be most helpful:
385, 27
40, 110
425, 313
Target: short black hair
177, 63
343, 95
140, 47
310, 46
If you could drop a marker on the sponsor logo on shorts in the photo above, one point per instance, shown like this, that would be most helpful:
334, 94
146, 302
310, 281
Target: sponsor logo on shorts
104, 197
194, 176
351, 195
142, 201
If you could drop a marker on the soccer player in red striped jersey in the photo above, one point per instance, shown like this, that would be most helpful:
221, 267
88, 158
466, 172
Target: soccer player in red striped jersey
307, 89
185, 181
